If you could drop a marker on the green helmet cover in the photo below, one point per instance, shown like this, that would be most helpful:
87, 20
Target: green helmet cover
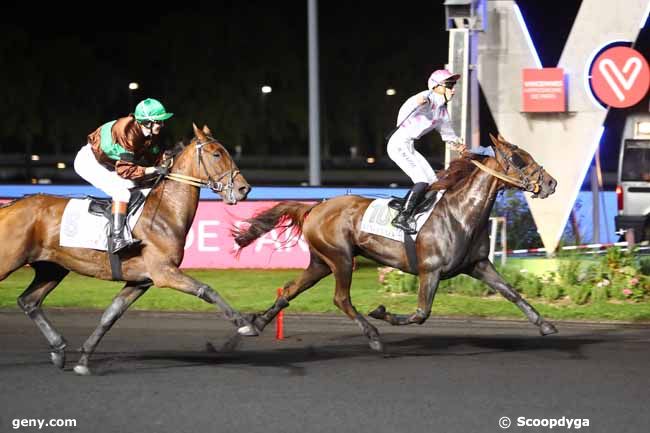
151, 109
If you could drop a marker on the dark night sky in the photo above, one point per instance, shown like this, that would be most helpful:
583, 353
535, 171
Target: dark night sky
66, 73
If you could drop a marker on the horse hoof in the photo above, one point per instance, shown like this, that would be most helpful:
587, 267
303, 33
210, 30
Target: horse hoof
248, 331
547, 328
378, 313
376, 345
81, 370
58, 359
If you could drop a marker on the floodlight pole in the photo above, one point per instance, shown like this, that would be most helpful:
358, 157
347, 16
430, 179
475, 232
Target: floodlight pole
314, 112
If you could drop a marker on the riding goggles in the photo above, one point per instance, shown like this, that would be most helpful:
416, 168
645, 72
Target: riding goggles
150, 123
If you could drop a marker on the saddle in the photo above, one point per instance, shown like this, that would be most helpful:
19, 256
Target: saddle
101, 206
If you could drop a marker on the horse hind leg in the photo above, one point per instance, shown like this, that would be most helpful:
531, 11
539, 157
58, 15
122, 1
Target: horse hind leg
127, 296
316, 271
426, 293
341, 265
47, 276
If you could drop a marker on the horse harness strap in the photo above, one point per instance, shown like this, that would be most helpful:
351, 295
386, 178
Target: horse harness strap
116, 266
214, 185
195, 181
526, 183
511, 180
411, 252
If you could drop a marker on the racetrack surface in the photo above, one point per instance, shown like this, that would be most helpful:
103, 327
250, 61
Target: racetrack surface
154, 372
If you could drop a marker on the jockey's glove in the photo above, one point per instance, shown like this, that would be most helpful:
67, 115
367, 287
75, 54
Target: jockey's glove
457, 146
160, 170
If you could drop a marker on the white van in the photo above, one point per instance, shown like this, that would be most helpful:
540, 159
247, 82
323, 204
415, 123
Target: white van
633, 187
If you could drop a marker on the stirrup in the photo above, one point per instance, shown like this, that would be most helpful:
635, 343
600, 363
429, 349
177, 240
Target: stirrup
118, 244
407, 226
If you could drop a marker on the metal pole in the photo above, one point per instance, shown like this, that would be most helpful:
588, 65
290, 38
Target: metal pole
596, 206
493, 238
504, 240
314, 113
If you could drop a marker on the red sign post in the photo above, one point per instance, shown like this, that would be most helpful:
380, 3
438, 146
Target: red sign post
620, 77
543, 90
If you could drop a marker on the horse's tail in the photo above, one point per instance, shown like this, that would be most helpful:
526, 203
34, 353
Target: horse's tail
290, 213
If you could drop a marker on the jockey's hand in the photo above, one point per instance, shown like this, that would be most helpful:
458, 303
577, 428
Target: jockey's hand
458, 146
423, 99
159, 170
167, 156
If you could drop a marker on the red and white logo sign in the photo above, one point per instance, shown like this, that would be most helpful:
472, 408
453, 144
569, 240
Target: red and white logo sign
620, 77
543, 90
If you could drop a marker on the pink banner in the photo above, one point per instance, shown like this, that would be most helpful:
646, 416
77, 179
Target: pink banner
210, 244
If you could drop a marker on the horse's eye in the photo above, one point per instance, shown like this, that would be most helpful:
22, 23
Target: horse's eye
217, 155
518, 161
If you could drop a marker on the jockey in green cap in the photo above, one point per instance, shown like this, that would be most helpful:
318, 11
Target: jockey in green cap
120, 152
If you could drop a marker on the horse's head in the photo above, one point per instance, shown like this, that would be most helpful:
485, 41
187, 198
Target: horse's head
217, 168
518, 164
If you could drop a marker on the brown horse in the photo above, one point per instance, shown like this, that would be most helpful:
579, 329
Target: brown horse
453, 240
29, 234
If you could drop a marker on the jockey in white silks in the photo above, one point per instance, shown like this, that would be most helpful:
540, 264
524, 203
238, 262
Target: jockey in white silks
420, 114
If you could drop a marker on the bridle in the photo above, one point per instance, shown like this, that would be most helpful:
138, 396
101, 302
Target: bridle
216, 185
525, 182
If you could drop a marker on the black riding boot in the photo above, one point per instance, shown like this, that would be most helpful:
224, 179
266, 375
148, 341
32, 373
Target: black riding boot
404, 220
117, 241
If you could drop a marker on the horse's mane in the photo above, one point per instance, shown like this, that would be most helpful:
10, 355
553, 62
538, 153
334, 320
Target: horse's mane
177, 148
458, 170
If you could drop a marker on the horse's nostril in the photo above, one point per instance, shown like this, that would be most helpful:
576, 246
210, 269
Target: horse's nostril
244, 190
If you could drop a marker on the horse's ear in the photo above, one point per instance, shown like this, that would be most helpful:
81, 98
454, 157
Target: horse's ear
197, 132
501, 139
494, 140
207, 130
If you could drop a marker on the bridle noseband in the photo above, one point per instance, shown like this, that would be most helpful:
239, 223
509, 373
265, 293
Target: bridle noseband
214, 184
525, 182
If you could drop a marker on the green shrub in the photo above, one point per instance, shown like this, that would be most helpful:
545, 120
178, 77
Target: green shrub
579, 293
396, 281
569, 270
644, 265
616, 275
600, 292
551, 291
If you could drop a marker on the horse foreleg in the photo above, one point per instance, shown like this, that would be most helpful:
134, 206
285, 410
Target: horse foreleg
426, 293
173, 278
47, 277
127, 296
316, 271
485, 271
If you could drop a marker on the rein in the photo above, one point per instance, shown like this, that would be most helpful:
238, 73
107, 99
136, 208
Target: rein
526, 185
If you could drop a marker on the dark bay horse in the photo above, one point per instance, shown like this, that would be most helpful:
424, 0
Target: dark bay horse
29, 234
453, 240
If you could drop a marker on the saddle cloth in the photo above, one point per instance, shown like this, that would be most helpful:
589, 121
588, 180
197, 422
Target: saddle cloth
377, 219
81, 229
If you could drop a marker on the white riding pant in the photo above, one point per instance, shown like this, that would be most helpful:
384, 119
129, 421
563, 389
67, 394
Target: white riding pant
402, 151
87, 166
